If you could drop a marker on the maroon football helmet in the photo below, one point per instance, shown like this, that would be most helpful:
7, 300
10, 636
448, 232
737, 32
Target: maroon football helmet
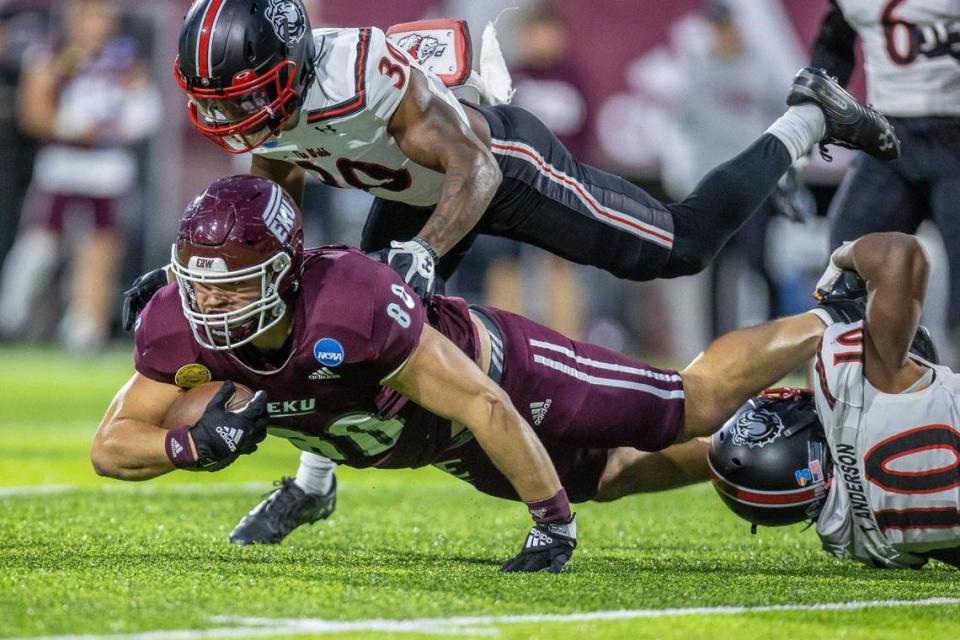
239, 229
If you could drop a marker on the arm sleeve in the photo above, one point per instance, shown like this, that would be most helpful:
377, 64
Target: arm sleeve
387, 74
833, 49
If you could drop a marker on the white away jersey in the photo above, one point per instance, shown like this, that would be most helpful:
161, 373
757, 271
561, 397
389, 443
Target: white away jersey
342, 136
896, 484
901, 82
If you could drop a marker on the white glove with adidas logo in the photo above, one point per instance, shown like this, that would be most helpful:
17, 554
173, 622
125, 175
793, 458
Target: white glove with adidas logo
221, 436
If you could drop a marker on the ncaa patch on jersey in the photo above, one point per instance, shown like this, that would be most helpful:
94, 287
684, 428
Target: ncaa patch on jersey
328, 352
191, 375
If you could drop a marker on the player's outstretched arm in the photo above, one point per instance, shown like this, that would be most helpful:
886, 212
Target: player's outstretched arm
430, 133
895, 268
740, 364
440, 378
289, 176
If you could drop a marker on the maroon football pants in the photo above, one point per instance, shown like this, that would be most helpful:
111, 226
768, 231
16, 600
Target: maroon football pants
582, 400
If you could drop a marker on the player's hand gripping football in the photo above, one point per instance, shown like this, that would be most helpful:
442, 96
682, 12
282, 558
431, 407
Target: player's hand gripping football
138, 295
548, 546
415, 261
221, 436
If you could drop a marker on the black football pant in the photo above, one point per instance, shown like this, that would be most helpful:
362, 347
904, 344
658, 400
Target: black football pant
897, 196
553, 201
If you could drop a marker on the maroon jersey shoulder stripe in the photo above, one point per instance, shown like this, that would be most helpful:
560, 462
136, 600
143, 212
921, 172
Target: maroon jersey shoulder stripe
357, 102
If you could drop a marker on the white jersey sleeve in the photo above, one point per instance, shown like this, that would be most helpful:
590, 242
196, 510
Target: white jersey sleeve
387, 75
838, 374
342, 135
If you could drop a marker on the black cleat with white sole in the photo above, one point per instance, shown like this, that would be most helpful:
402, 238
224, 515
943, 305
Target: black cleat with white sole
850, 123
281, 512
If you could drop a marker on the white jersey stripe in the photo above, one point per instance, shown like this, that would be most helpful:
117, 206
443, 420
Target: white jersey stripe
213, 28
200, 38
522, 151
274, 204
607, 366
607, 382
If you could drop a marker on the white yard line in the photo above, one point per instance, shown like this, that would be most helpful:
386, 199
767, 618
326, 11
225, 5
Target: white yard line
201, 488
468, 625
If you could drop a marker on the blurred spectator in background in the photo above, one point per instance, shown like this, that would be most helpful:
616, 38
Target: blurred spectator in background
728, 94
21, 23
87, 99
548, 86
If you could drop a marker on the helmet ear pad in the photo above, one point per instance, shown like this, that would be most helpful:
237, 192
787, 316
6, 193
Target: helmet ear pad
770, 462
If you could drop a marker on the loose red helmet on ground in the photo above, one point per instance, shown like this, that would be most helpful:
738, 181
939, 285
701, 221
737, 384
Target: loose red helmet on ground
245, 67
241, 228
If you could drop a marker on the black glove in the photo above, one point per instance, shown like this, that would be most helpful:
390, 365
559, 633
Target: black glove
937, 39
221, 436
415, 261
548, 546
138, 295
844, 297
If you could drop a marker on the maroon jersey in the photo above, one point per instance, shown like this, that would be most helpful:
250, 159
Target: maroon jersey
354, 323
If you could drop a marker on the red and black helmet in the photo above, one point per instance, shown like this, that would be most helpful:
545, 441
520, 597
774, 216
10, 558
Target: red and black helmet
245, 65
240, 228
770, 462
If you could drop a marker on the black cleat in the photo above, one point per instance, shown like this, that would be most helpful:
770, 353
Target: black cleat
281, 512
850, 123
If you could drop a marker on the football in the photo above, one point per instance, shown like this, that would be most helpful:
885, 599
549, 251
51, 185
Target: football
187, 409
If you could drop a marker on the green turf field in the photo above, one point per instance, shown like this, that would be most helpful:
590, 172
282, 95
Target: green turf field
406, 555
